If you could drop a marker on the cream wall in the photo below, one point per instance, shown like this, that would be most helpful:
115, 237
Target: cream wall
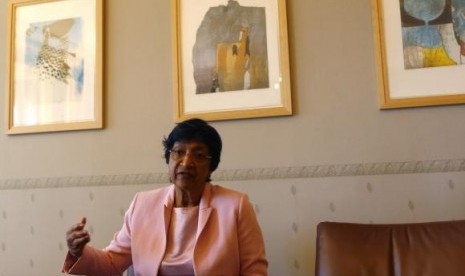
338, 158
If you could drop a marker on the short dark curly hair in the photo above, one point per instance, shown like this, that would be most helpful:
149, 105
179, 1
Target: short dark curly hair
195, 130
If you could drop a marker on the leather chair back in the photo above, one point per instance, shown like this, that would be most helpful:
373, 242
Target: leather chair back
426, 249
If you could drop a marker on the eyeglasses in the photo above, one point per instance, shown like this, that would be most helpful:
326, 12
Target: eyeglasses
197, 157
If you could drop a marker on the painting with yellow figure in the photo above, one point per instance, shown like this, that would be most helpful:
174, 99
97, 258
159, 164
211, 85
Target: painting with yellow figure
230, 51
232, 60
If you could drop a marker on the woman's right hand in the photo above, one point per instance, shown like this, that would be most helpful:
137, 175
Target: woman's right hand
76, 238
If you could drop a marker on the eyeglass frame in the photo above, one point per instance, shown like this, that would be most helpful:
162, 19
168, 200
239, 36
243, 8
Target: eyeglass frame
198, 159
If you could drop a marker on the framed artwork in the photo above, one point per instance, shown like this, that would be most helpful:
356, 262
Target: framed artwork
54, 66
231, 59
420, 52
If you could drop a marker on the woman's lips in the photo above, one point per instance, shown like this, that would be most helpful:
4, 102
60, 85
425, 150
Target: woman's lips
184, 175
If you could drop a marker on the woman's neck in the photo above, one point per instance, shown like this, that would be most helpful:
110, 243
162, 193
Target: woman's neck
185, 198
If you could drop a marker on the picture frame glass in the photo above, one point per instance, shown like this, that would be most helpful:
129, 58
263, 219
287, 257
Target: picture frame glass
55, 66
229, 58
407, 60
420, 52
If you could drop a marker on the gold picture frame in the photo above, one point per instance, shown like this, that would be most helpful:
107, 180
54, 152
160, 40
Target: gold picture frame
418, 70
230, 59
55, 68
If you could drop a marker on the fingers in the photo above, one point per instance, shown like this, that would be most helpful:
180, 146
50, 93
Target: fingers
77, 237
77, 226
76, 245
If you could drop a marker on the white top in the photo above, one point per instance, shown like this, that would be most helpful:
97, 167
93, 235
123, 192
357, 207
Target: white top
180, 243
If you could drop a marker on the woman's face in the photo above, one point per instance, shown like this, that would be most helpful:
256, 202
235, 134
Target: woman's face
189, 165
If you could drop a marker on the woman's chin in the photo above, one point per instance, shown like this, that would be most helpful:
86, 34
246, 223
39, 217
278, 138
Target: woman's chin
187, 185
184, 184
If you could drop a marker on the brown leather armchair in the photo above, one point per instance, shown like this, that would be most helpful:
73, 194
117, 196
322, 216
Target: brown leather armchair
423, 249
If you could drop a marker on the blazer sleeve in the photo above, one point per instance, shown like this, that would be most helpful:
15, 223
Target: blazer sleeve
251, 245
94, 262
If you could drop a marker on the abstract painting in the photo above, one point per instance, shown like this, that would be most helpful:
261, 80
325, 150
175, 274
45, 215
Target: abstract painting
52, 52
433, 32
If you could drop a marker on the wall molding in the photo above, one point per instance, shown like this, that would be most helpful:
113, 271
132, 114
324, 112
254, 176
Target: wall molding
334, 170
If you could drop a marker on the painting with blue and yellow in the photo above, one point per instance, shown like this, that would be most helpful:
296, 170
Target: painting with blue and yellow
53, 52
433, 32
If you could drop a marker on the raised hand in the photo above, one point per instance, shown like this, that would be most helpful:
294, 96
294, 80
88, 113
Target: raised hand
76, 238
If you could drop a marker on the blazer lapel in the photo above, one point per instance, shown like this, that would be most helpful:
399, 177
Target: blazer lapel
167, 210
204, 209
168, 204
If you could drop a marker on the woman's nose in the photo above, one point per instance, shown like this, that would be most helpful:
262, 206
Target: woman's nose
187, 160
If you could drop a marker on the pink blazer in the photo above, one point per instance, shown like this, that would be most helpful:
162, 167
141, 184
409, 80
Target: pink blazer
229, 240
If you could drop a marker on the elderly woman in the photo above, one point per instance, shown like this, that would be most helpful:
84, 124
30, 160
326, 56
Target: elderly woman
189, 228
